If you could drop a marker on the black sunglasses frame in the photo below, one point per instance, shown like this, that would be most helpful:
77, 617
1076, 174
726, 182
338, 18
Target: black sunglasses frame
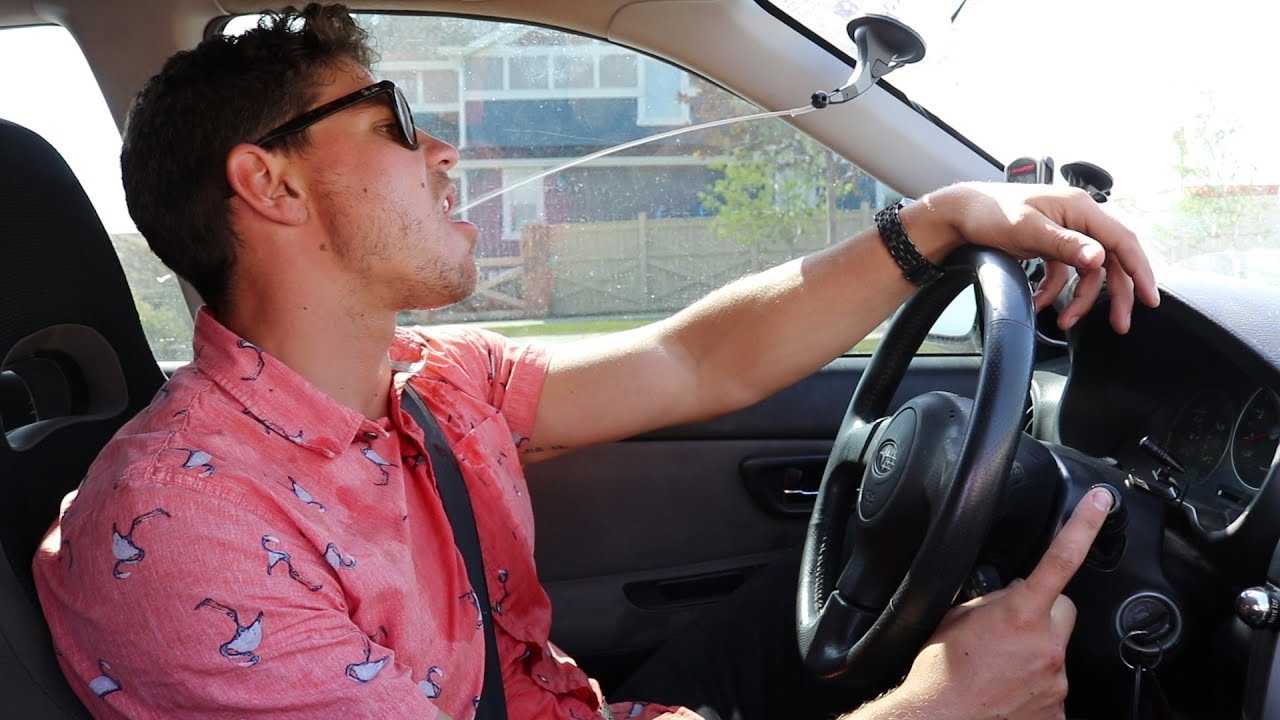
399, 106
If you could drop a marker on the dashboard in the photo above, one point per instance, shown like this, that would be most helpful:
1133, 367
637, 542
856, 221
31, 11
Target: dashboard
1186, 400
1187, 406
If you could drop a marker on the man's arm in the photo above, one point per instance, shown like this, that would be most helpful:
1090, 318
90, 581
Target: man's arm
759, 334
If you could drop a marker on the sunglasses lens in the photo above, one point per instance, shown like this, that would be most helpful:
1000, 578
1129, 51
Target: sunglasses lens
405, 116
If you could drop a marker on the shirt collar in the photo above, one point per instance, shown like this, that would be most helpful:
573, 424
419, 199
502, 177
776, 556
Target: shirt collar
281, 400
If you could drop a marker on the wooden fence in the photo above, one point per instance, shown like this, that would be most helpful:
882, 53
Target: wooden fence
632, 267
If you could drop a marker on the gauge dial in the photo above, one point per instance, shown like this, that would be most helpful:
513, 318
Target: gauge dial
1256, 438
1201, 433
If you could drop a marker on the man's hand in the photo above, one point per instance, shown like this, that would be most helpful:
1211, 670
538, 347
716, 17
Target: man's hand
1002, 655
1063, 225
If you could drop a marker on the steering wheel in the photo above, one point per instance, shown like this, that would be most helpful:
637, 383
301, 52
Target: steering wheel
925, 482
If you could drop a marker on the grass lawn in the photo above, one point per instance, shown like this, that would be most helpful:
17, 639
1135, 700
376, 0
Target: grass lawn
559, 328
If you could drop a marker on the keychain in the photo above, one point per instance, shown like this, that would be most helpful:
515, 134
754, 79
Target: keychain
1146, 686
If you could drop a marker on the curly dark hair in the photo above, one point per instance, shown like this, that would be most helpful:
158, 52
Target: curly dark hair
205, 101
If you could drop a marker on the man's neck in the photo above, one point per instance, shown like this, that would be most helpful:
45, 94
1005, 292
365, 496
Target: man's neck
341, 352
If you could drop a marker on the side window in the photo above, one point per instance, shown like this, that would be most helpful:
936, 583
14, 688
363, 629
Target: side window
631, 237
47, 87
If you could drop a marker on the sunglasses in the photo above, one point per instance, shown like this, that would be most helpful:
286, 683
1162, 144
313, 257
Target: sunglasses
386, 88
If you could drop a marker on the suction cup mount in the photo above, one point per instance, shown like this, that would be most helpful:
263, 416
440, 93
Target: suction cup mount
1090, 178
884, 44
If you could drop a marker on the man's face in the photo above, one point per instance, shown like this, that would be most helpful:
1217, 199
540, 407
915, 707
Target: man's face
385, 209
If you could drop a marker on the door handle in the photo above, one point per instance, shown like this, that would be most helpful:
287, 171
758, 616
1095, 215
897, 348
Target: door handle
794, 483
784, 485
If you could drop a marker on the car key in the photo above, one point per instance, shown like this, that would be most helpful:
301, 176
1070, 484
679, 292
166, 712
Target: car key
1148, 701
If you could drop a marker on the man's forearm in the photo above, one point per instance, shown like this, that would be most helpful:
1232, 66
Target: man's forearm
887, 708
763, 332
907, 702
739, 344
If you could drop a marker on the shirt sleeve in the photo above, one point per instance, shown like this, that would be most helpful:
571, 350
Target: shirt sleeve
503, 373
172, 603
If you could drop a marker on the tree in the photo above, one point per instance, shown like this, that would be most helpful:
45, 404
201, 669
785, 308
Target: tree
161, 307
776, 184
1219, 208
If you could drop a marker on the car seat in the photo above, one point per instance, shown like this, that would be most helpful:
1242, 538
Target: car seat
74, 367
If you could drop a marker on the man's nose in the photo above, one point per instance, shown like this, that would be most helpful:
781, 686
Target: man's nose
440, 154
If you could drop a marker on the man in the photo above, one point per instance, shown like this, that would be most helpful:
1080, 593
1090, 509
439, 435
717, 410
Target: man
277, 546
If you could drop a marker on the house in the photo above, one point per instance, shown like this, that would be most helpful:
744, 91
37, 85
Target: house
518, 100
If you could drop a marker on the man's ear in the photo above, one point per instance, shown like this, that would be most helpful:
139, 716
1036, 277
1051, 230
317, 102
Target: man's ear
265, 182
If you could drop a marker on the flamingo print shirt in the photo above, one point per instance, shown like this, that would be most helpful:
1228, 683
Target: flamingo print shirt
247, 546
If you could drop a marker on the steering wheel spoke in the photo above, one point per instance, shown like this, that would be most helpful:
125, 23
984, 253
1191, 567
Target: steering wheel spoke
875, 568
839, 627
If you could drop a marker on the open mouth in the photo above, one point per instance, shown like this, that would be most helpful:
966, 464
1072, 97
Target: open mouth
447, 203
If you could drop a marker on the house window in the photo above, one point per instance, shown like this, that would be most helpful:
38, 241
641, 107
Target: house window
409, 83
660, 103
618, 71
574, 71
440, 86
428, 85
528, 72
569, 71
484, 73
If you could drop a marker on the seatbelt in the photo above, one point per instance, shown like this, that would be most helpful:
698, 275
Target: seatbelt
457, 505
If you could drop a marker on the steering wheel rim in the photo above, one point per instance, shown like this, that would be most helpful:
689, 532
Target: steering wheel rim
861, 627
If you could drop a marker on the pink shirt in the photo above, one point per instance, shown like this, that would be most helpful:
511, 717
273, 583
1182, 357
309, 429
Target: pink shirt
249, 545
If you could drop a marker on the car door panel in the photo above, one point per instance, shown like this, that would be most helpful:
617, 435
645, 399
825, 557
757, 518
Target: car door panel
635, 535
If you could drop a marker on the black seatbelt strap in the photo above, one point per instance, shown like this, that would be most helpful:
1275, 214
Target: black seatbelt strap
457, 505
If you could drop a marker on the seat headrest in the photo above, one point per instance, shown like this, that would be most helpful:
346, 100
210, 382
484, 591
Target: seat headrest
57, 264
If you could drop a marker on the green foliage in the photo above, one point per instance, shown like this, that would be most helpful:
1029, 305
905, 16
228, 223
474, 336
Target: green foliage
776, 184
773, 192
161, 307
1219, 209
1229, 220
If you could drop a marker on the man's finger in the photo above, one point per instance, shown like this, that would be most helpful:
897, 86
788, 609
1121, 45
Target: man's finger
1085, 295
1062, 618
1137, 266
1120, 287
1067, 551
1055, 278
1122, 245
1069, 246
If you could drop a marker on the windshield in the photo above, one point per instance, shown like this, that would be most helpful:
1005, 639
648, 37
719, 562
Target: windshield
1170, 97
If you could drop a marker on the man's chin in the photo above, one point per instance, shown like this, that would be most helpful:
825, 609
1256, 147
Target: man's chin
438, 300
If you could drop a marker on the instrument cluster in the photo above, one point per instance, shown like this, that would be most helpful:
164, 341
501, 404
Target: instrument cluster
1224, 443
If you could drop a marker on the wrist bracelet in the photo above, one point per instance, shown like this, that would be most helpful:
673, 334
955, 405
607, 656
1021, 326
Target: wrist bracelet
915, 267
